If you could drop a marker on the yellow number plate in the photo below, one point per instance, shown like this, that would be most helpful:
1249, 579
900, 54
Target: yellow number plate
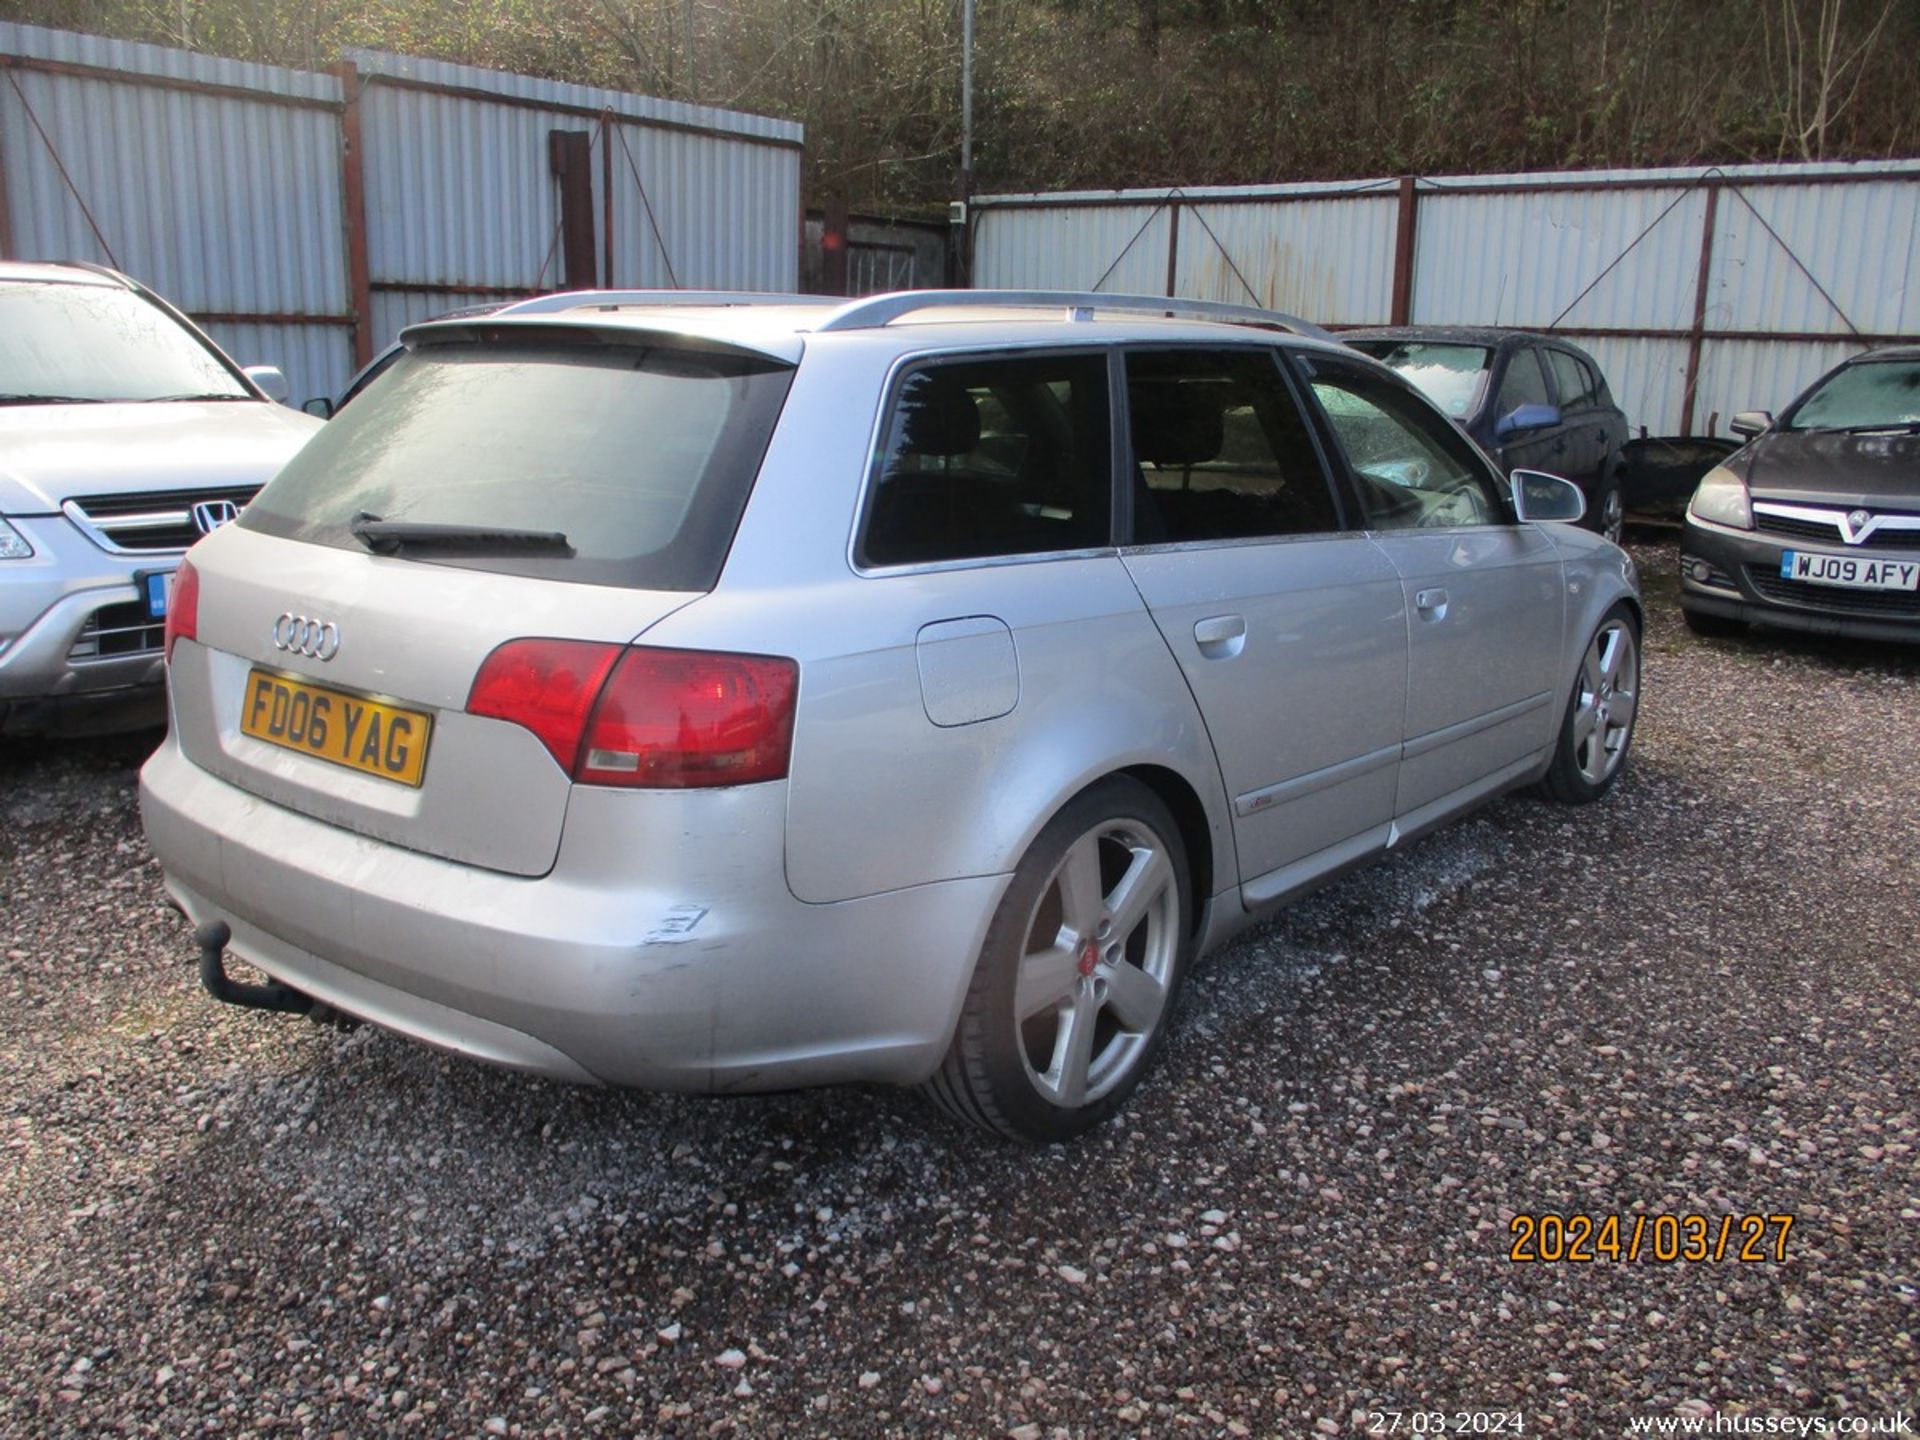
350, 730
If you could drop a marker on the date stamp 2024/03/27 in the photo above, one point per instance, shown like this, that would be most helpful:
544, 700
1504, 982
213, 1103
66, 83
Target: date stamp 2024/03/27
1667, 1239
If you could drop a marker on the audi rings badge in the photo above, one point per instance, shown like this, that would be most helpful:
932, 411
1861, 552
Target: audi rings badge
302, 635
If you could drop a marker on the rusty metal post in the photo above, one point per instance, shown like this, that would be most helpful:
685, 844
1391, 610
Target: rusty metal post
1697, 338
1173, 246
606, 196
1402, 312
6, 216
353, 201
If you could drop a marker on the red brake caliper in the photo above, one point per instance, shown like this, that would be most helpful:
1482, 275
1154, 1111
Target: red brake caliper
1089, 957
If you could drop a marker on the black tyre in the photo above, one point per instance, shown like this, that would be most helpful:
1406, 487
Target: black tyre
1598, 727
1079, 972
1607, 510
1711, 627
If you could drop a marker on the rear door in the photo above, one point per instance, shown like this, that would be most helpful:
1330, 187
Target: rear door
1287, 622
1483, 595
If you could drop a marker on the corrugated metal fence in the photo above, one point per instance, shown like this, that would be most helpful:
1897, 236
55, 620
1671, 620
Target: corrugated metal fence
304, 218
1701, 291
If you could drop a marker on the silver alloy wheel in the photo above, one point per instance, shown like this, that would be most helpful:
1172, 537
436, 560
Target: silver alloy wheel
1605, 702
1097, 963
1613, 516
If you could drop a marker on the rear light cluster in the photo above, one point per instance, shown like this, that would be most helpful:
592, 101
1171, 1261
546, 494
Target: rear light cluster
183, 608
645, 718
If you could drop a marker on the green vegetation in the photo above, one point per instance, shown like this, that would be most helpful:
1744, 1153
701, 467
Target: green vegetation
1099, 93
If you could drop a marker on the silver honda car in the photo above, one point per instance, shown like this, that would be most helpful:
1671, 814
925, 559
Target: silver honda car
729, 693
125, 435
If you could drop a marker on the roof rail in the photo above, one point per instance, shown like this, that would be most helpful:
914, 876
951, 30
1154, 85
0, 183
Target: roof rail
608, 299
876, 310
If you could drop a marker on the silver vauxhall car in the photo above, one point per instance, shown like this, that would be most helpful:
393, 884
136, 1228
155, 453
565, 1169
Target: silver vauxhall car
728, 693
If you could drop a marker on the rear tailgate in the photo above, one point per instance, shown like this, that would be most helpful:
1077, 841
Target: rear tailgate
411, 638
557, 483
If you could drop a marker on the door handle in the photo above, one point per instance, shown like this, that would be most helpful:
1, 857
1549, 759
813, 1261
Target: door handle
1221, 637
1432, 604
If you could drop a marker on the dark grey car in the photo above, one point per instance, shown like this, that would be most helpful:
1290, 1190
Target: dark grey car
1532, 402
1815, 524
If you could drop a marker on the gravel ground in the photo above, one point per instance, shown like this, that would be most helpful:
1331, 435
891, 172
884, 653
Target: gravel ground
1701, 996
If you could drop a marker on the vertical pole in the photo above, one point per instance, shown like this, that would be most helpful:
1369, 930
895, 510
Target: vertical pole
6, 216
606, 197
353, 200
966, 100
1698, 338
1173, 246
1403, 253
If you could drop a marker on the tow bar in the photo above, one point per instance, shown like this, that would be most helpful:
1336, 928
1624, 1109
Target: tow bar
212, 939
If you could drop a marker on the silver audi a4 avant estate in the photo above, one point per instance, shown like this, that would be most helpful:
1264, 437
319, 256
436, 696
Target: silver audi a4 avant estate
725, 692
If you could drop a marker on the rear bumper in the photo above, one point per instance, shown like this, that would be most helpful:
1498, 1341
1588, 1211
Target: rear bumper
664, 949
1742, 583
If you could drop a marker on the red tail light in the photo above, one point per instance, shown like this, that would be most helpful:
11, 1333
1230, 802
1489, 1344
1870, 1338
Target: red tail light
549, 686
645, 718
183, 607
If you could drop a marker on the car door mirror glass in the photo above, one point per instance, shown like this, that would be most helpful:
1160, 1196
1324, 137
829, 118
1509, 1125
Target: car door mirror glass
1527, 417
272, 383
1751, 422
1540, 496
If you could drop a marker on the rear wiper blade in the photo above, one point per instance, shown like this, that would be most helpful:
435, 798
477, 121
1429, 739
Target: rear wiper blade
390, 537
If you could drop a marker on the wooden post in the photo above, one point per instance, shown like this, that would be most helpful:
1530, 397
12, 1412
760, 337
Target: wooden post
1697, 339
1173, 246
353, 201
1403, 253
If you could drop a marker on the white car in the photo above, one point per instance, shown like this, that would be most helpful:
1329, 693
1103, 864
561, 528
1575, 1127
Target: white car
125, 436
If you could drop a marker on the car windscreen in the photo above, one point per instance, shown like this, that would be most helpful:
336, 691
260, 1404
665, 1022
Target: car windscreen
66, 343
1874, 395
1452, 375
641, 456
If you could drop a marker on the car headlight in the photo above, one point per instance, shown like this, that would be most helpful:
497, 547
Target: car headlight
13, 545
1722, 500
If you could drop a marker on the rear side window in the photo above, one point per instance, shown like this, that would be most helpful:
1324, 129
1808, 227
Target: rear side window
1220, 450
641, 456
1009, 456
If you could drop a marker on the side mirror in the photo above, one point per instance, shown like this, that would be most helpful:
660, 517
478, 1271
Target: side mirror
1540, 496
1751, 422
320, 407
270, 381
1527, 417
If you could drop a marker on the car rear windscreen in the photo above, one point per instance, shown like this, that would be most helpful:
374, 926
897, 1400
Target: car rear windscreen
1451, 374
641, 456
